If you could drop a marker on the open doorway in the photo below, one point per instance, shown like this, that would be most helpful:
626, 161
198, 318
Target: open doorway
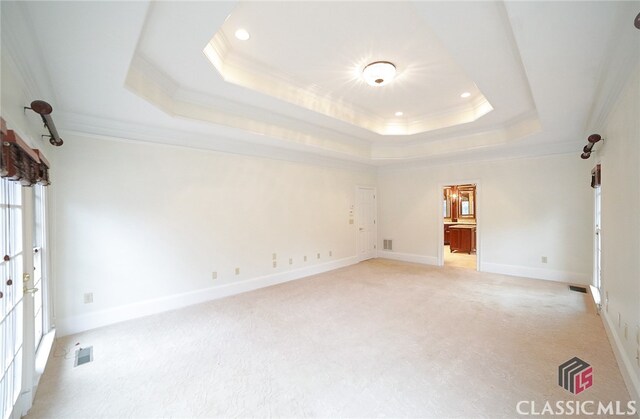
459, 206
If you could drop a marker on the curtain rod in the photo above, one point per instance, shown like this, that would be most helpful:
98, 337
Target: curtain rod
44, 110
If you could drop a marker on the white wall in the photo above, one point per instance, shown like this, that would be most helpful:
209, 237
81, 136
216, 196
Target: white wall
143, 226
527, 208
619, 156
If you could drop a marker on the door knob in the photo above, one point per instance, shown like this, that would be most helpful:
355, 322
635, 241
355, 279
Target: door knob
361, 229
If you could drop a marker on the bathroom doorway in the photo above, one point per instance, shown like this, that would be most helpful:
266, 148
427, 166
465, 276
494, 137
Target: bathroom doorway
460, 229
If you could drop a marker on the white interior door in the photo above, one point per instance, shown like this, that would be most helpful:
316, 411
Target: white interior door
366, 222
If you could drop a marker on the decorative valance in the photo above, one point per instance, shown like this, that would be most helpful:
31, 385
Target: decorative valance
20, 162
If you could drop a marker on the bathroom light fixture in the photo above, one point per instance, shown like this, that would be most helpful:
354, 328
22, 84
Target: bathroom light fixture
465, 95
242, 34
399, 113
379, 73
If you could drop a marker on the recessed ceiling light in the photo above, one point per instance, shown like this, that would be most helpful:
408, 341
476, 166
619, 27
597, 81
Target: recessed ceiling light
242, 34
379, 73
399, 113
465, 95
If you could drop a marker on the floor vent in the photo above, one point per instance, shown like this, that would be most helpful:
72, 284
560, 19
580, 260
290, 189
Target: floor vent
577, 289
387, 244
83, 356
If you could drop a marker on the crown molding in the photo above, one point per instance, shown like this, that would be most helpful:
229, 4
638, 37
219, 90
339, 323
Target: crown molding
94, 127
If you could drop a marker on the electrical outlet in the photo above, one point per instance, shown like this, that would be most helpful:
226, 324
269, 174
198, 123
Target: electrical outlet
88, 298
237, 271
305, 258
275, 264
275, 256
290, 261
544, 259
318, 255
214, 275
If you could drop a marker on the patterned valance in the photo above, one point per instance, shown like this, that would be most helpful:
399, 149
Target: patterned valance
20, 162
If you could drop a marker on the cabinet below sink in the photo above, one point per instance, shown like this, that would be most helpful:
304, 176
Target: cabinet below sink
461, 238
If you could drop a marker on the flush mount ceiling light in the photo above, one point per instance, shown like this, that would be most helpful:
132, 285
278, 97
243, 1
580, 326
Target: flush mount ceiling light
379, 73
465, 95
242, 34
399, 113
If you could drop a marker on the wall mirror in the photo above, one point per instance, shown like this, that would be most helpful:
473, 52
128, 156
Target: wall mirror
467, 202
446, 202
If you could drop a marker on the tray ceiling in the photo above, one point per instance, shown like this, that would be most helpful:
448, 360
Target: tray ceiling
174, 72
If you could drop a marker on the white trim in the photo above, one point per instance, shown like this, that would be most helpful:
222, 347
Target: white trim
408, 257
76, 324
42, 357
537, 273
626, 365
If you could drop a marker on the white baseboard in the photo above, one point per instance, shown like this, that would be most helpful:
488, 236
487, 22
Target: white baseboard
537, 273
408, 257
624, 362
83, 322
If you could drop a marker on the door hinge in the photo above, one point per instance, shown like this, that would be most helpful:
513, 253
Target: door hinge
374, 246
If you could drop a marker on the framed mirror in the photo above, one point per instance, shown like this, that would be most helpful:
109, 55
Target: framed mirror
466, 202
446, 202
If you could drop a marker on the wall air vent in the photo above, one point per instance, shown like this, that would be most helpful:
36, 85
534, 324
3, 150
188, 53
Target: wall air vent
83, 356
387, 244
577, 289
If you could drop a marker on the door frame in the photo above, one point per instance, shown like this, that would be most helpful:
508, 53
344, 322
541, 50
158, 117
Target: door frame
440, 218
375, 221
597, 238
34, 359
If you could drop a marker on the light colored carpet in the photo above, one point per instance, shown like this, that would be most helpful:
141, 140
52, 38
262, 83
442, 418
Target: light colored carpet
380, 338
459, 260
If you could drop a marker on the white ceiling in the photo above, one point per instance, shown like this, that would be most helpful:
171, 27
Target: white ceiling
542, 74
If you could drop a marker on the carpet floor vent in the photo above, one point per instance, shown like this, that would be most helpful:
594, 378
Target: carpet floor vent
83, 356
578, 289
